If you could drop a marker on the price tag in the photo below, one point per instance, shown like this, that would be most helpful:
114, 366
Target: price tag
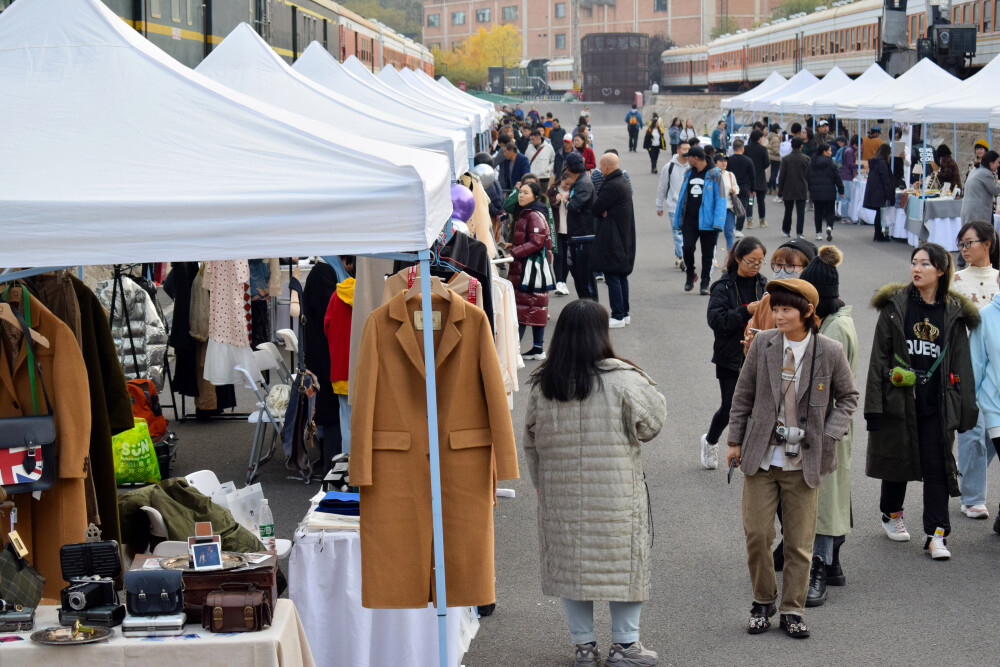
18, 544
418, 320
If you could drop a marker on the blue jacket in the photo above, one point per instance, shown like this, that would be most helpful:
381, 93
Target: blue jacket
510, 174
985, 344
632, 113
713, 205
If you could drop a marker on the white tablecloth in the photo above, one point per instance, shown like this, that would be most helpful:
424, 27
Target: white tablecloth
324, 580
944, 231
281, 645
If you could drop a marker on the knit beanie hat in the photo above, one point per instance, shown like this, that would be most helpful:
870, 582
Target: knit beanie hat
807, 248
822, 272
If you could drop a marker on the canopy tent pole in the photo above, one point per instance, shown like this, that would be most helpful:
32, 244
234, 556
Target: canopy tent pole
989, 136
954, 137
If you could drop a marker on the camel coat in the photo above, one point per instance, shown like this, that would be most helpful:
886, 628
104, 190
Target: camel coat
60, 516
390, 459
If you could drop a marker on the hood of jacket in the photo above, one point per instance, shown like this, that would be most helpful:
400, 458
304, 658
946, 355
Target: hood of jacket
345, 291
955, 304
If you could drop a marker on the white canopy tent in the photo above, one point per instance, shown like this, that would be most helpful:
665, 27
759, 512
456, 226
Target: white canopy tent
121, 154
969, 101
416, 81
871, 80
801, 102
428, 82
245, 62
390, 78
773, 80
911, 85
803, 79
447, 85
317, 64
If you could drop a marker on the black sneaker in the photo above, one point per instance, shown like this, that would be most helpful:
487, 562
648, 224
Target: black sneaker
817, 583
536, 353
704, 291
794, 626
688, 286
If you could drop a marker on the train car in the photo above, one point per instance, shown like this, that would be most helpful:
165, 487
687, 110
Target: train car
559, 75
985, 16
846, 37
684, 67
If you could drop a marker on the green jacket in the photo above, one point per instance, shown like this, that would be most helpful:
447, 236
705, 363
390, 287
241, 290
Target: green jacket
890, 411
834, 513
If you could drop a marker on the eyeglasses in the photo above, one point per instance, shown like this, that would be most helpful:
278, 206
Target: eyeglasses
965, 245
752, 265
778, 266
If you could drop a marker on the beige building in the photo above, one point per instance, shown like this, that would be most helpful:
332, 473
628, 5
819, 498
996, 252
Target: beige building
546, 24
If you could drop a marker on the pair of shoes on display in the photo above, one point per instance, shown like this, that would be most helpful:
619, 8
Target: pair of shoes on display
976, 511
535, 353
817, 583
616, 324
632, 655
561, 289
936, 545
709, 454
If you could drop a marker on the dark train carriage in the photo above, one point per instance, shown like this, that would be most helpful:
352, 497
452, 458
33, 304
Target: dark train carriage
615, 65
290, 27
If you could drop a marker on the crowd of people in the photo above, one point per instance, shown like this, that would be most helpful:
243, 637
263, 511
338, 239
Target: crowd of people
786, 354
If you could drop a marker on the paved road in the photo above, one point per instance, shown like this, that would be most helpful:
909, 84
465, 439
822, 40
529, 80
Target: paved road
899, 607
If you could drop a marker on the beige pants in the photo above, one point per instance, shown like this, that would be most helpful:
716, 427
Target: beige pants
761, 493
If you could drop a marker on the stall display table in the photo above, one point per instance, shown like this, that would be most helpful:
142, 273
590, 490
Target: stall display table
283, 644
934, 220
324, 575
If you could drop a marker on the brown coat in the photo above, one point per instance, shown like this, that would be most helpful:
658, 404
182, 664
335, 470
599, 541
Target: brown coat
60, 516
390, 460
755, 403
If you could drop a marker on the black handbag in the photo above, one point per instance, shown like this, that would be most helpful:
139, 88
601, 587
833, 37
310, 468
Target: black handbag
27, 444
154, 592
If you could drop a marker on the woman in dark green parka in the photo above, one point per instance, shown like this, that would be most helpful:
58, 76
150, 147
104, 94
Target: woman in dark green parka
920, 390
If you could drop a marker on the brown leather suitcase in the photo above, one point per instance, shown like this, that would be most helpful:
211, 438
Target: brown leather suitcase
236, 608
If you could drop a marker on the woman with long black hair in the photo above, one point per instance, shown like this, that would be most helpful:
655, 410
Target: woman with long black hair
654, 141
880, 190
732, 301
589, 411
920, 390
530, 239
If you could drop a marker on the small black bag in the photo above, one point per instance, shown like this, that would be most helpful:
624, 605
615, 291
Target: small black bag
154, 592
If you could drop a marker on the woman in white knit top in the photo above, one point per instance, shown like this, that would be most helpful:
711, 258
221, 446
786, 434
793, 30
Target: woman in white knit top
978, 282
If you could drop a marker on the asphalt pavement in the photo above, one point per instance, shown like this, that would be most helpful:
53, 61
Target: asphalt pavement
898, 607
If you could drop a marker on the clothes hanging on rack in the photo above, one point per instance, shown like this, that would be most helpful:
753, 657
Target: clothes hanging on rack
229, 322
507, 342
369, 282
319, 287
260, 311
390, 451
461, 283
178, 287
59, 516
337, 325
143, 350
480, 223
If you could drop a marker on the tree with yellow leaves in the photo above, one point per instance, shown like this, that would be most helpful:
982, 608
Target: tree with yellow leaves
470, 61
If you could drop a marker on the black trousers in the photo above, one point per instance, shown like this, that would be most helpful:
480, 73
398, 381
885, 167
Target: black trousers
583, 276
759, 197
692, 236
633, 137
932, 468
879, 235
824, 214
772, 180
561, 258
800, 216
654, 155
727, 386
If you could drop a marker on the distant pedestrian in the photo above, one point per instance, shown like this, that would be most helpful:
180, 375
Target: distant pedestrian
981, 190
824, 187
541, 158
744, 171
871, 143
758, 154
720, 137
689, 132
558, 195
880, 191
918, 393
794, 399
734, 299
774, 155
580, 225
674, 134
730, 191
654, 141
593, 511
556, 135
633, 123
667, 194
562, 150
580, 146
513, 167
531, 239
701, 215
524, 140
793, 188
614, 238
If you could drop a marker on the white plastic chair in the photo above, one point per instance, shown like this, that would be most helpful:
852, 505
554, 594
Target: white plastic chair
157, 526
284, 374
205, 482
290, 339
169, 548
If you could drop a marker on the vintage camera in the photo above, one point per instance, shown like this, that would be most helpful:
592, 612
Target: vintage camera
791, 437
88, 592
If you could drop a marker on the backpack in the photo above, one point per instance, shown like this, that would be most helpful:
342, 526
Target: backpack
838, 159
633, 119
146, 405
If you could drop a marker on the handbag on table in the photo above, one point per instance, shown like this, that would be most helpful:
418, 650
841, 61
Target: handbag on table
236, 608
154, 592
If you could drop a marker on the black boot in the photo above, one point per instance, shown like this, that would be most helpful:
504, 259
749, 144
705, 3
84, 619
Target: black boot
834, 573
817, 583
779, 557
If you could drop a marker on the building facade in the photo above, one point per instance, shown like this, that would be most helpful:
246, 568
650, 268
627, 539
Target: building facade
546, 25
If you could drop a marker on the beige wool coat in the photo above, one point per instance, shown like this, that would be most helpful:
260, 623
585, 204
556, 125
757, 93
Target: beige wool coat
593, 511
390, 459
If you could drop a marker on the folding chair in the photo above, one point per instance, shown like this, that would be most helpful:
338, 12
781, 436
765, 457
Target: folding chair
283, 373
262, 414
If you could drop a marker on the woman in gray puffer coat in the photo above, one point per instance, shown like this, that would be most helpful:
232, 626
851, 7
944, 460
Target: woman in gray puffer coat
588, 412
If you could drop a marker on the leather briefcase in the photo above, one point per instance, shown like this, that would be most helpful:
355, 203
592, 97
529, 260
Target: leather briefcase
236, 608
153, 592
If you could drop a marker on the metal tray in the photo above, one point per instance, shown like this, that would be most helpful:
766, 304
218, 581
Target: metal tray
230, 561
60, 636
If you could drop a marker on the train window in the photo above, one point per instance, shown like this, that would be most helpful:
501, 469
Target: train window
175, 11
987, 16
155, 8
975, 15
190, 12
433, 20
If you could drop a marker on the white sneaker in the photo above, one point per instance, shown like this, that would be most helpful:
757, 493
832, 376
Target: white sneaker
738, 234
819, 237
976, 511
633, 656
562, 289
709, 454
936, 546
895, 528
616, 324
628, 319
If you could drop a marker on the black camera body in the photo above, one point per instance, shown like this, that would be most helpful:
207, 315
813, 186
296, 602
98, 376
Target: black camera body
86, 593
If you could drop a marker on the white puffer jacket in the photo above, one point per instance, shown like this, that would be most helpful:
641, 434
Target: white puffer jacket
593, 512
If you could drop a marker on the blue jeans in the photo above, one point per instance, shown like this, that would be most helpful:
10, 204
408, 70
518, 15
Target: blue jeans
678, 237
624, 621
729, 230
617, 294
345, 423
975, 451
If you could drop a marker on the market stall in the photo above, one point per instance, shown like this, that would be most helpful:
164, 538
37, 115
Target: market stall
800, 101
391, 79
762, 102
772, 82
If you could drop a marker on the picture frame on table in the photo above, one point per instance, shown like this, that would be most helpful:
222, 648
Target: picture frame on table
207, 556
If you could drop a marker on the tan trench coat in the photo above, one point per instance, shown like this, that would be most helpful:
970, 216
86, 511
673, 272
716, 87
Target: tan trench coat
390, 459
60, 516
